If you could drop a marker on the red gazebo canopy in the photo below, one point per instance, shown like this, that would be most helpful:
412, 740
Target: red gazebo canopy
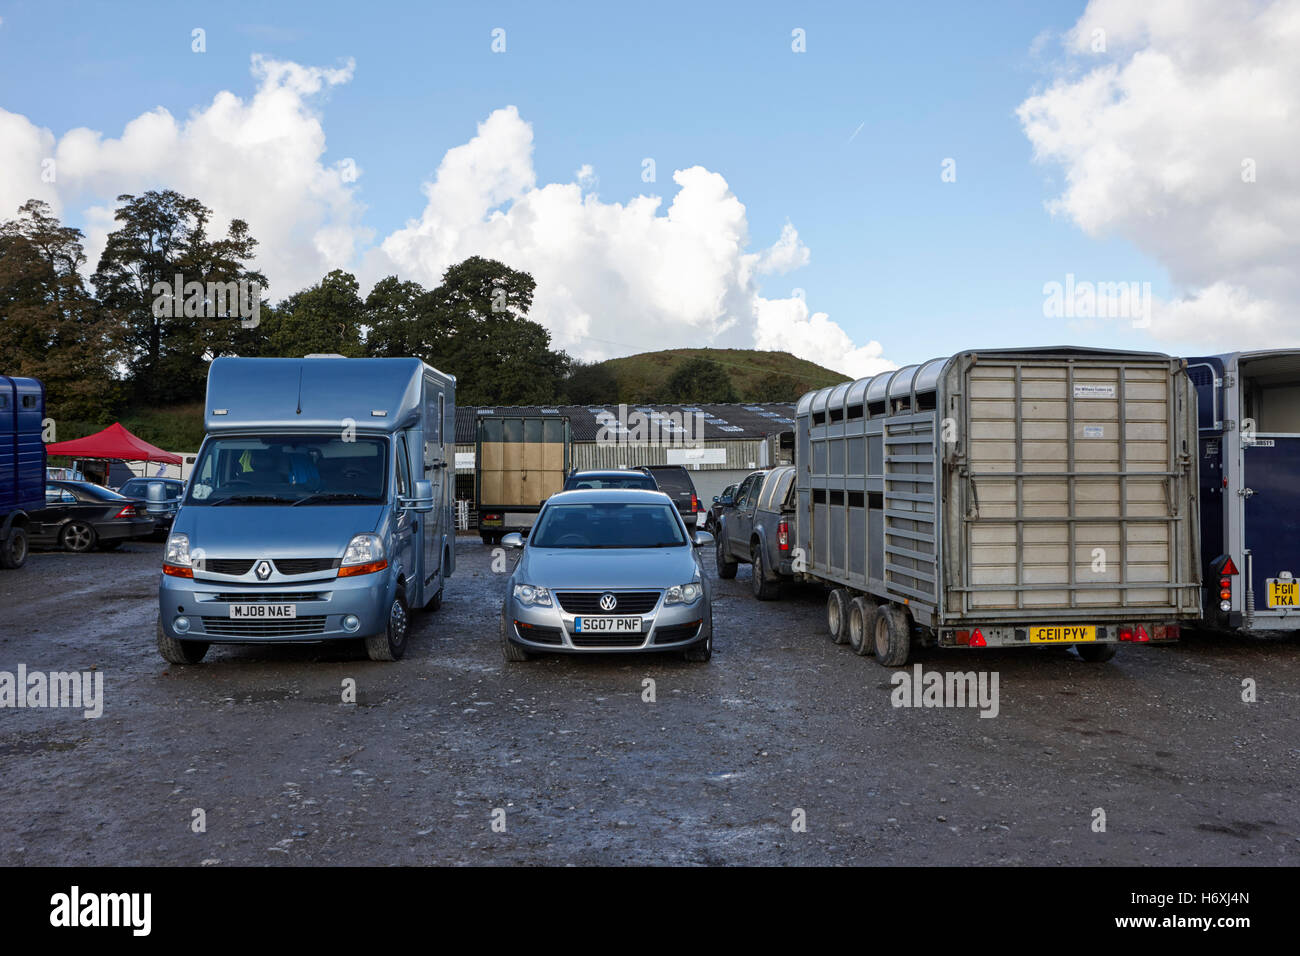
113, 442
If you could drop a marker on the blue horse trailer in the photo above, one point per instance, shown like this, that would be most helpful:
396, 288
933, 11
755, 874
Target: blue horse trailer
319, 507
1249, 425
22, 464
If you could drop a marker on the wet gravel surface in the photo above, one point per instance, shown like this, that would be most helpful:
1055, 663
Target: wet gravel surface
782, 727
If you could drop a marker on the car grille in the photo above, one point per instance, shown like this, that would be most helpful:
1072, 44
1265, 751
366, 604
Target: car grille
538, 635
677, 632
227, 565
295, 627
265, 597
607, 640
305, 565
588, 602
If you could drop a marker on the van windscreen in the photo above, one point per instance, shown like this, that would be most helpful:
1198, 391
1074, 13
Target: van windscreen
290, 469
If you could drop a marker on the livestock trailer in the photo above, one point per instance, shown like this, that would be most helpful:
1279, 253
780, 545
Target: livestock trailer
22, 464
1249, 424
522, 460
1003, 498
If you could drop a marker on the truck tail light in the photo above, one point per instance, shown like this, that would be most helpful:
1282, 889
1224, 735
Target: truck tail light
783, 535
977, 638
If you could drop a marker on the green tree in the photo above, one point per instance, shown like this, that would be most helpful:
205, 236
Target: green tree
776, 388
403, 320
590, 384
51, 327
325, 318
698, 380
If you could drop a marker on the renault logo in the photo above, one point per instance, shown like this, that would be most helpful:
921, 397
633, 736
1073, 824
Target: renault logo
263, 570
608, 602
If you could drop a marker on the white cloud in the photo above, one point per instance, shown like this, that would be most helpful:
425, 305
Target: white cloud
1154, 133
260, 160
614, 278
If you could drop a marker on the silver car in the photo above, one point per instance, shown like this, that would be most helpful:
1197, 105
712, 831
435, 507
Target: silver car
608, 571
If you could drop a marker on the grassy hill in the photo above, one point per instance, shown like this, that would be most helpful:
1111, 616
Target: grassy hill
752, 372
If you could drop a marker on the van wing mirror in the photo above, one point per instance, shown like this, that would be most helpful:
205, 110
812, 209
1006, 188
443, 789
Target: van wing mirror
155, 496
422, 500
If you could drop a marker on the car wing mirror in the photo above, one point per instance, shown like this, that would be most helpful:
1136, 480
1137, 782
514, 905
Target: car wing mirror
513, 540
702, 538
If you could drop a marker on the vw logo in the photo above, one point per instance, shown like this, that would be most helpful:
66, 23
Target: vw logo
608, 602
263, 570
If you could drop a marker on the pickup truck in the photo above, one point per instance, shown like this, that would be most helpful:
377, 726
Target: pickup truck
756, 527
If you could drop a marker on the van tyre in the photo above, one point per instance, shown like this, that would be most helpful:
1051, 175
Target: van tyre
837, 615
862, 623
764, 589
511, 651
390, 645
1096, 653
13, 549
726, 566
180, 652
77, 537
893, 636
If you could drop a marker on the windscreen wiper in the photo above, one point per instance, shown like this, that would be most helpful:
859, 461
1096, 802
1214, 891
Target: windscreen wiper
271, 499
330, 496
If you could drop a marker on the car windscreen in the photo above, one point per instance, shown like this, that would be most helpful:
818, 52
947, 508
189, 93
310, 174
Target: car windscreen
638, 480
139, 488
290, 469
608, 525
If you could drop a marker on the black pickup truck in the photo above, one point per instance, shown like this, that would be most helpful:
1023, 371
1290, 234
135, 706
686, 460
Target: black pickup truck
757, 527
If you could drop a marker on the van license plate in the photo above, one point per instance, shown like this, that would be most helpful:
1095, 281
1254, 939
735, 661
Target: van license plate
263, 612
607, 625
1062, 634
1283, 592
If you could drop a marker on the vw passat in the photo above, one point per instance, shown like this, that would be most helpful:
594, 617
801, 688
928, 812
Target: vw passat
608, 571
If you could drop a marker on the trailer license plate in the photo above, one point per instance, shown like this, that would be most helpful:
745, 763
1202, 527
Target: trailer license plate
1283, 592
1062, 634
263, 612
607, 625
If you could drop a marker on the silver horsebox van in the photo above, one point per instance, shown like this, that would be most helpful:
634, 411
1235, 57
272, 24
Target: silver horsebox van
319, 508
1003, 499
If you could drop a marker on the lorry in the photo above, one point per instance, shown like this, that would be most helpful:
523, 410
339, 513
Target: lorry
522, 461
319, 509
22, 464
1249, 470
1009, 498
755, 526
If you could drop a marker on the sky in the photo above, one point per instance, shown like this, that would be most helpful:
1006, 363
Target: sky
865, 185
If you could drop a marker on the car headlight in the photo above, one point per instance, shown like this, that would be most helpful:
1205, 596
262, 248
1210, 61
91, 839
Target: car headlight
178, 550
364, 549
529, 596
684, 593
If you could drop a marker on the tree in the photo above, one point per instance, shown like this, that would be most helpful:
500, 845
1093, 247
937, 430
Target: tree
403, 320
590, 384
776, 388
698, 380
325, 318
50, 325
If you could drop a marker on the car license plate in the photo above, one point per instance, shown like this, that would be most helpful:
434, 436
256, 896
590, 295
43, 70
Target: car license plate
607, 625
1283, 592
1062, 634
263, 612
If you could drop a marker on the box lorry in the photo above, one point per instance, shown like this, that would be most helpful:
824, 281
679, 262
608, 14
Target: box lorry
1011, 498
522, 461
1249, 471
22, 464
319, 508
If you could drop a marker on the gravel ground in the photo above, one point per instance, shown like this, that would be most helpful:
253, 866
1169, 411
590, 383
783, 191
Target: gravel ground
781, 727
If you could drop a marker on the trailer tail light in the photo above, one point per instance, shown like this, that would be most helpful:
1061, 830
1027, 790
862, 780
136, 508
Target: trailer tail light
1165, 632
783, 535
1228, 567
977, 638
1142, 636
962, 638
1125, 633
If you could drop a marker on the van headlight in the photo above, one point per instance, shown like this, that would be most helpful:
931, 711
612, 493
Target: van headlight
363, 549
529, 596
178, 550
684, 593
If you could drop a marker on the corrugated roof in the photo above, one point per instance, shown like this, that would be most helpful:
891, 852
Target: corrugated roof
721, 421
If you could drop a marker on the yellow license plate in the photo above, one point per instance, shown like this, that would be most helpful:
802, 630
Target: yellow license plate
1062, 634
1283, 593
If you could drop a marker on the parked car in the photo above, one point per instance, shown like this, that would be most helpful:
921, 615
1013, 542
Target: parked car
720, 503
79, 516
757, 529
173, 491
608, 571
675, 481
613, 478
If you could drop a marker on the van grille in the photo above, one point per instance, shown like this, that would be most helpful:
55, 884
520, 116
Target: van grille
305, 565
265, 597
227, 565
295, 627
588, 602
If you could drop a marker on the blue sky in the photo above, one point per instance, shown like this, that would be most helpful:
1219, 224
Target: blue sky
897, 256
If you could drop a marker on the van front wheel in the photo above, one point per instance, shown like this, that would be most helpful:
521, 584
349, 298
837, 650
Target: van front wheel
391, 644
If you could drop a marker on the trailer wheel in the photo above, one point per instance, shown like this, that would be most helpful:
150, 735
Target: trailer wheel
1096, 653
837, 615
893, 637
13, 549
726, 566
764, 589
862, 621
